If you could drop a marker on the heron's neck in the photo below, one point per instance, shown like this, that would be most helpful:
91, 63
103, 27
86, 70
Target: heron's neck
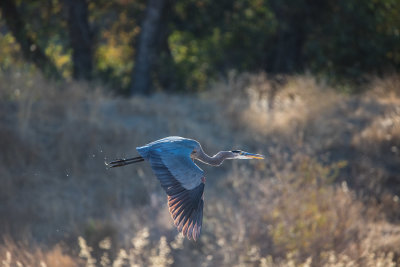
215, 160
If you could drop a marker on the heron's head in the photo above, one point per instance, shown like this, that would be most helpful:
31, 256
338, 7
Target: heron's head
239, 154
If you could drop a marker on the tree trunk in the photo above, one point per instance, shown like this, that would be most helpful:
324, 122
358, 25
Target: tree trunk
30, 49
146, 52
290, 36
80, 38
165, 67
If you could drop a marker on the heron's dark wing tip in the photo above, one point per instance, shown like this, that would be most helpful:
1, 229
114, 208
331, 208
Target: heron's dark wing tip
186, 209
192, 226
184, 196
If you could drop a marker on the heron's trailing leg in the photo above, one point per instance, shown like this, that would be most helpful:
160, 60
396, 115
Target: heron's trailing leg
123, 162
172, 160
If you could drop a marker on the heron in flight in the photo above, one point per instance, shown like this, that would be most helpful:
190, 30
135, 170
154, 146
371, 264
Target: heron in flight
172, 160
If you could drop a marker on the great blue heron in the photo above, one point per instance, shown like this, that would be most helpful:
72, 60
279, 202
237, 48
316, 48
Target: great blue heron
172, 160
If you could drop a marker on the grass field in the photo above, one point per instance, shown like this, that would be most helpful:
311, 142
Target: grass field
327, 194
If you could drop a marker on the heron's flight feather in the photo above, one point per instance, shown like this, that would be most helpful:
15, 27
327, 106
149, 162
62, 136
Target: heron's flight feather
181, 179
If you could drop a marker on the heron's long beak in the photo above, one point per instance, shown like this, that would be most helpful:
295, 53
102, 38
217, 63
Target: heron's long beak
253, 156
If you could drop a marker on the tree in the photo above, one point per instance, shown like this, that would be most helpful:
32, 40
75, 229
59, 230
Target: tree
146, 52
29, 47
80, 39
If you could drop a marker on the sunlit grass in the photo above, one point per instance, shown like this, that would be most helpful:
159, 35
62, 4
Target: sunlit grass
323, 197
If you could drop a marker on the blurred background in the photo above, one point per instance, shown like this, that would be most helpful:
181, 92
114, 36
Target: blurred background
313, 85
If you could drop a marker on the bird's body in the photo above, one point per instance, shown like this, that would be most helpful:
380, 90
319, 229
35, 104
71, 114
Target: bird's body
172, 160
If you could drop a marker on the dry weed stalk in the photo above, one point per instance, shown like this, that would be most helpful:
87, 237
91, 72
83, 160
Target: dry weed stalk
302, 207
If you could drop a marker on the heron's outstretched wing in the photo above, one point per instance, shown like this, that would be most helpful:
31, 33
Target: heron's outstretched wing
181, 179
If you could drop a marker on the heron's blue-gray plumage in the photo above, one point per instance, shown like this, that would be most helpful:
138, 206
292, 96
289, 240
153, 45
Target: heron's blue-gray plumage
174, 153
181, 179
171, 159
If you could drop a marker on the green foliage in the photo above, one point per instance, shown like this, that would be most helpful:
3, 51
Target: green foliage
234, 38
117, 27
206, 39
356, 37
345, 39
9, 51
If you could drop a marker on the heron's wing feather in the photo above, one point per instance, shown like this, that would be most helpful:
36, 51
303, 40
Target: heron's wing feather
181, 180
186, 209
183, 169
174, 153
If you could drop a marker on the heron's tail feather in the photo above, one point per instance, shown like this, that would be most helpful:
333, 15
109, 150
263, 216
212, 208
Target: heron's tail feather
123, 162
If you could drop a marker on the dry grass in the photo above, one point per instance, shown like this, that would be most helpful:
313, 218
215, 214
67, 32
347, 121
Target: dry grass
20, 254
328, 195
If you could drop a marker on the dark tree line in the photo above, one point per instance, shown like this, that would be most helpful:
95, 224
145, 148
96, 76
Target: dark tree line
80, 38
179, 45
31, 50
147, 47
79, 33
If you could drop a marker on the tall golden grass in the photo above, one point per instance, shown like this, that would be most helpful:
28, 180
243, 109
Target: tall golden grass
327, 195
